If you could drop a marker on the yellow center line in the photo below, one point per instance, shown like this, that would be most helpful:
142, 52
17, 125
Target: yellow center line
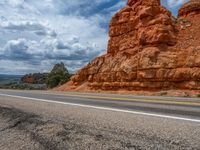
131, 99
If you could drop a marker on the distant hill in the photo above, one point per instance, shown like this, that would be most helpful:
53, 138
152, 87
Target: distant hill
6, 79
36, 81
14, 82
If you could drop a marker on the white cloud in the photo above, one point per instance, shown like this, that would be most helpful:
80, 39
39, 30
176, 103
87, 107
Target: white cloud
38, 34
15, 2
174, 3
30, 26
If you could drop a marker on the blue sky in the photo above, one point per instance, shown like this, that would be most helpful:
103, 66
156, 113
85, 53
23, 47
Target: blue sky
39, 33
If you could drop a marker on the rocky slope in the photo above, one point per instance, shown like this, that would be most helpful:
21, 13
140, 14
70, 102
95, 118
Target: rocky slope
148, 49
35, 78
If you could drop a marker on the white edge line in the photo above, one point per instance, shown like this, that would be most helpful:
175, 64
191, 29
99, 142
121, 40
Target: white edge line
105, 108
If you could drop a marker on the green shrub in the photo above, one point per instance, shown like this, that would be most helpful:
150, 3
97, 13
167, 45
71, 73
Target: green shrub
198, 95
58, 76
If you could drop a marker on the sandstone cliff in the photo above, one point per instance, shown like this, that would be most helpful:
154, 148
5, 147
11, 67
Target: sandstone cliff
148, 49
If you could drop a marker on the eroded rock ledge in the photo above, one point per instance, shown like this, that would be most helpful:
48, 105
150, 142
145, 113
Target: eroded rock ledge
148, 49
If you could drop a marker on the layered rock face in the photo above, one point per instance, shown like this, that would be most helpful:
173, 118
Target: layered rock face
148, 49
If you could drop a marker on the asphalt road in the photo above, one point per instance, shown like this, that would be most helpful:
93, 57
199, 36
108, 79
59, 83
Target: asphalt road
52, 120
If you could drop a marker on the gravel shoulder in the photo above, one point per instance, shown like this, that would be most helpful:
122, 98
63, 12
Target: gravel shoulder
26, 124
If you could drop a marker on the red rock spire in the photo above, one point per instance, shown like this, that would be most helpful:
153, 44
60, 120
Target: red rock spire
147, 2
189, 7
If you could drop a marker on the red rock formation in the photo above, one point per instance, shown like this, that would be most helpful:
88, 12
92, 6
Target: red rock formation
36, 78
188, 25
193, 6
147, 49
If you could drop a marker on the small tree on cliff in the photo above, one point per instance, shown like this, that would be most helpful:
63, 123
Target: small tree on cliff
58, 76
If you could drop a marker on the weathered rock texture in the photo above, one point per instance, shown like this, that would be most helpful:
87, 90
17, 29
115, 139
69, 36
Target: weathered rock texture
148, 49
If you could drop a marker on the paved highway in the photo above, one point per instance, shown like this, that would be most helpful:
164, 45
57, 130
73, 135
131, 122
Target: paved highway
141, 122
169, 107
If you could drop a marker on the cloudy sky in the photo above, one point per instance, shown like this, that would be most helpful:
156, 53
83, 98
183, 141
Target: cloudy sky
35, 34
